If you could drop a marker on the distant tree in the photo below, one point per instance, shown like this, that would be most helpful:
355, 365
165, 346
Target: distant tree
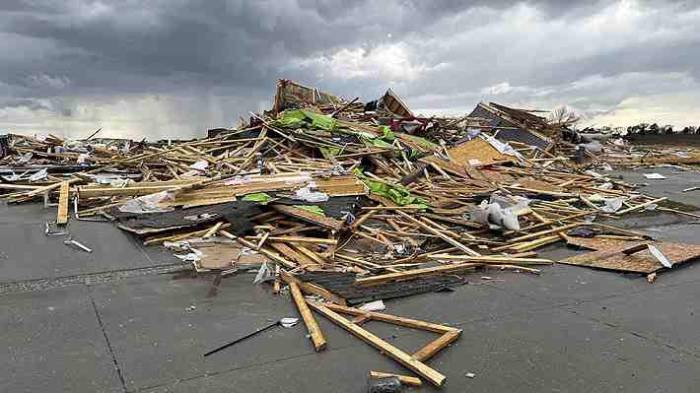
654, 129
668, 129
563, 116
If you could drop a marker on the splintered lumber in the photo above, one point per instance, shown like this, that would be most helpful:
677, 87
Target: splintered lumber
640, 206
393, 319
439, 234
41, 190
62, 215
294, 255
389, 350
272, 255
404, 379
313, 218
432, 348
493, 259
547, 232
301, 239
213, 230
313, 289
311, 325
410, 274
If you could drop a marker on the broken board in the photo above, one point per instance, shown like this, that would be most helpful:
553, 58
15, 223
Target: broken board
609, 255
476, 152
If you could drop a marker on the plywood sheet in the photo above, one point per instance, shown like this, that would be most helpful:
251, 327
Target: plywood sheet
595, 243
612, 257
476, 152
220, 256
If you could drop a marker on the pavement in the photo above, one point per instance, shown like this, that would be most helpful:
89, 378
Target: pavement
128, 318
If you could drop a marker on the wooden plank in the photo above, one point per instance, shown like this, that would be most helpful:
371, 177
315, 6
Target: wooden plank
545, 232
313, 289
404, 379
439, 234
272, 255
292, 254
393, 319
433, 347
493, 259
640, 206
391, 351
302, 239
311, 325
323, 221
374, 280
62, 215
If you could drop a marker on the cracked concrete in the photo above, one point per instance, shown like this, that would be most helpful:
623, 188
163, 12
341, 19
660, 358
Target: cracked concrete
126, 319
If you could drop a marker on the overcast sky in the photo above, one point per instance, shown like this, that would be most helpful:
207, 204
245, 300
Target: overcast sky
163, 68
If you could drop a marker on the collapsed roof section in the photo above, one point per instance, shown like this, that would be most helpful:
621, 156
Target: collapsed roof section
515, 125
292, 95
390, 102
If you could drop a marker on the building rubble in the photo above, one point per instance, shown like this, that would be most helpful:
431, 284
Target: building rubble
344, 202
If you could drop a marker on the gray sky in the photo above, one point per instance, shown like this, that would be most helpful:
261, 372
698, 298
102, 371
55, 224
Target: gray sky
177, 67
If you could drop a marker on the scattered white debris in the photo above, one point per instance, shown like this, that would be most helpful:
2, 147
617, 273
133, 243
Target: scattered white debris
606, 167
307, 195
659, 256
41, 175
200, 165
264, 274
654, 176
288, 322
147, 203
377, 305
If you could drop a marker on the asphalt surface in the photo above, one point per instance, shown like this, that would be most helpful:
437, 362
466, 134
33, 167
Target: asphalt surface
124, 318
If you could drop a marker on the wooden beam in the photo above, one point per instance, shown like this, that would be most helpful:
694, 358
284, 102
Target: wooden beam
272, 255
374, 280
393, 319
293, 255
311, 325
312, 289
433, 347
62, 215
323, 221
439, 234
391, 351
640, 206
493, 259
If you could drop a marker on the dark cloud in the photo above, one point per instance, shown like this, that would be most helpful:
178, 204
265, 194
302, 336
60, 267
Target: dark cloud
71, 56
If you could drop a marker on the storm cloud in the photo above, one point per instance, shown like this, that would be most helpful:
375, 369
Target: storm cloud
176, 67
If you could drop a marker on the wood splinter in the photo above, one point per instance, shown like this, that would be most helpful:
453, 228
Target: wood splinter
317, 337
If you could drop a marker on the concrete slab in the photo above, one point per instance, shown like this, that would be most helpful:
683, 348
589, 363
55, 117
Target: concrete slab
335, 370
533, 353
52, 342
676, 180
26, 253
34, 213
160, 327
563, 284
667, 313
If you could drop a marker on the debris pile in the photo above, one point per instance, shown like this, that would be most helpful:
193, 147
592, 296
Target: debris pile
349, 202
